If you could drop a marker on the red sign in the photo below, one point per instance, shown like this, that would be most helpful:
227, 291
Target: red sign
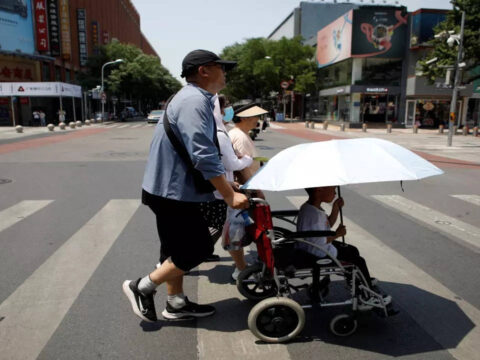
4, 101
41, 24
24, 100
284, 84
106, 37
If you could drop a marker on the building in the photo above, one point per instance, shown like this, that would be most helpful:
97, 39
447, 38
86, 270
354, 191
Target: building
50, 41
367, 57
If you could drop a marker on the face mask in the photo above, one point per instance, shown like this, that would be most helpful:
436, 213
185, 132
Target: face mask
228, 114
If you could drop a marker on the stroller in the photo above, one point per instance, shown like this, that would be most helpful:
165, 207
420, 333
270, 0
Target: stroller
276, 317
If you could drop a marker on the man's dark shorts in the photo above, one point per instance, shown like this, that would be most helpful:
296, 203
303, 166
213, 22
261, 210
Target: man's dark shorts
183, 231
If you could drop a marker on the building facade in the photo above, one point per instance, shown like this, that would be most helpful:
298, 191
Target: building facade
50, 41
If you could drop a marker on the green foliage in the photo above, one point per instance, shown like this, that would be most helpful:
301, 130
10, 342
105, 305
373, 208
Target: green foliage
447, 55
263, 64
140, 76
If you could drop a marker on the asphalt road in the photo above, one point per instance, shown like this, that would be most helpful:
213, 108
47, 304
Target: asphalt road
72, 229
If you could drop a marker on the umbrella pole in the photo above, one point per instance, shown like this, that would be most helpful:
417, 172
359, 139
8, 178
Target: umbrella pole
341, 215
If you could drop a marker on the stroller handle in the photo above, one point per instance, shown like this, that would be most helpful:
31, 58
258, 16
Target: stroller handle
254, 201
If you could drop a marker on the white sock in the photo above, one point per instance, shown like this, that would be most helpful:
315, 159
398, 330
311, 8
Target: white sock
146, 285
177, 301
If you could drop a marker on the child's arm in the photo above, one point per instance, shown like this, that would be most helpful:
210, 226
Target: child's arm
332, 219
341, 231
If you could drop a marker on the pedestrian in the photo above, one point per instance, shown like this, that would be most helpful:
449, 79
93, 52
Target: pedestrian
36, 117
246, 118
42, 118
174, 184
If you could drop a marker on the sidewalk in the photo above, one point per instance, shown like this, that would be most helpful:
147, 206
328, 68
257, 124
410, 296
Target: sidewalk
465, 148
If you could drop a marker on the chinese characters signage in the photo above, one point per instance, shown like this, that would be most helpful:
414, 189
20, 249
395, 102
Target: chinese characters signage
65, 29
40, 13
82, 36
95, 35
18, 70
53, 27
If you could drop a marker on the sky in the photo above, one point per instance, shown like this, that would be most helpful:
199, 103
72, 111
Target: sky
175, 27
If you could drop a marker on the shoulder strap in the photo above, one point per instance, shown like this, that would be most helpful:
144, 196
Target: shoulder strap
177, 145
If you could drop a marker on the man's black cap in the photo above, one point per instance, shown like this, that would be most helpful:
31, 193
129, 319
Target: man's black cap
196, 58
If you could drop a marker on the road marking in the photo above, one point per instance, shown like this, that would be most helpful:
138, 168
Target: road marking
123, 126
394, 268
33, 312
274, 126
465, 232
233, 343
473, 199
137, 126
20, 211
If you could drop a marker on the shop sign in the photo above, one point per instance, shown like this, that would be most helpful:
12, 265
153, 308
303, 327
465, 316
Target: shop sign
379, 32
340, 91
53, 27
16, 26
106, 37
82, 36
65, 29
12, 71
4, 101
40, 89
95, 35
442, 85
24, 100
40, 13
376, 90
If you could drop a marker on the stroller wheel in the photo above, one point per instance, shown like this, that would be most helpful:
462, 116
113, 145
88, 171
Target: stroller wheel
276, 320
343, 325
254, 285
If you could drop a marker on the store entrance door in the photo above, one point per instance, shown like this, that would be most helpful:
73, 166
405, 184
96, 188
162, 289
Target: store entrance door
410, 113
379, 108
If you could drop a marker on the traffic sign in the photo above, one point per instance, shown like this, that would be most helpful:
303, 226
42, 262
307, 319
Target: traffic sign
284, 84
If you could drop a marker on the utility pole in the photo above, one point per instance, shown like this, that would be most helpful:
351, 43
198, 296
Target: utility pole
453, 104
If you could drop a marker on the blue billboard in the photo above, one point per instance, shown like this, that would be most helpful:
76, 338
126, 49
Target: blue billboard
16, 26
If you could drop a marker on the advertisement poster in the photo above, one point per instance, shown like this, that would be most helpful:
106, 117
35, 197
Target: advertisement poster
379, 32
40, 12
82, 36
16, 26
334, 41
65, 29
53, 27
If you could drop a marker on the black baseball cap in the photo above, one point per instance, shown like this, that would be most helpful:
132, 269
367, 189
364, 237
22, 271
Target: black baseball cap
197, 58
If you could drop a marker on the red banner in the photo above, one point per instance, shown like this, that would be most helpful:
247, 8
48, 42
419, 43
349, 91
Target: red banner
41, 24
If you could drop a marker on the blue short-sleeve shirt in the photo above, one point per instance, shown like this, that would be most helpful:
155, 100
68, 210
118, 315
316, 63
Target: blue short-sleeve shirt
191, 118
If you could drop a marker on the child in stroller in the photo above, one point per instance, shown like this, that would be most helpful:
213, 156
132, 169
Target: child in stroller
277, 317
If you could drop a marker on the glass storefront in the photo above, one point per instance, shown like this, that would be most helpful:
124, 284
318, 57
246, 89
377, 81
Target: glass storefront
379, 108
334, 108
429, 113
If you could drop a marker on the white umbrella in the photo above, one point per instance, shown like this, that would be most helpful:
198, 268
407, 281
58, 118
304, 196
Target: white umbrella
340, 162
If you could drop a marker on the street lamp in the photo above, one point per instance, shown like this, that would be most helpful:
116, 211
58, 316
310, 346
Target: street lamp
451, 41
102, 88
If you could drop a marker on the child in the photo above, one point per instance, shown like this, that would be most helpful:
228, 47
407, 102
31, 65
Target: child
312, 217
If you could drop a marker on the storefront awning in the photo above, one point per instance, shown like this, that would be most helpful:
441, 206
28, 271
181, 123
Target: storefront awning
40, 89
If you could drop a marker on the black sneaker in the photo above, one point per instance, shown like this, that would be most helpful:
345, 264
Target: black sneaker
143, 305
189, 310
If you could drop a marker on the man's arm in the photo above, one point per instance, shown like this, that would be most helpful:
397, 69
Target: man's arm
233, 199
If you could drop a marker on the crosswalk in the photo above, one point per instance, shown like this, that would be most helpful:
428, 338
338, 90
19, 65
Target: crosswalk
31, 314
133, 125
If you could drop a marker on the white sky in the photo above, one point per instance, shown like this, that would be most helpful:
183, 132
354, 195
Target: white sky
175, 27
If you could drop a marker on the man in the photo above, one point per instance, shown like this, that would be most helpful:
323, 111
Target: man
169, 189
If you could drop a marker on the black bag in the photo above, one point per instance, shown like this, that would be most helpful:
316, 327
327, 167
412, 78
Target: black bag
202, 185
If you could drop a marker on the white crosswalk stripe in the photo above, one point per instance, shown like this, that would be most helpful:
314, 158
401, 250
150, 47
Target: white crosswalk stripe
27, 326
20, 211
463, 232
472, 199
395, 268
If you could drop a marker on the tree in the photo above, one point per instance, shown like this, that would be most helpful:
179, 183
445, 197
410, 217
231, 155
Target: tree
263, 64
448, 55
140, 77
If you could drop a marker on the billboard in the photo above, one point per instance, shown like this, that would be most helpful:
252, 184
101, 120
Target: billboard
423, 24
334, 41
65, 29
16, 26
379, 32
